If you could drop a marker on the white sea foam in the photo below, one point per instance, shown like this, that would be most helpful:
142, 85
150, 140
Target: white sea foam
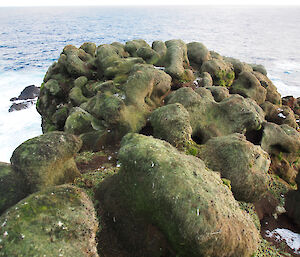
284, 89
292, 239
18, 126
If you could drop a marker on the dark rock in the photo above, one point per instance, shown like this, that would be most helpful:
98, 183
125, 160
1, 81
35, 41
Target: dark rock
20, 106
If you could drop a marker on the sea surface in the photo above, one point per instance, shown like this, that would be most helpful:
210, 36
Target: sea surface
32, 38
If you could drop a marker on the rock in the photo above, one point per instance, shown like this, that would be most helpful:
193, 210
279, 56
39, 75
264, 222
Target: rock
208, 118
161, 49
89, 48
57, 221
12, 188
80, 121
76, 62
238, 66
219, 93
244, 164
279, 115
291, 102
20, 106
205, 80
197, 53
171, 123
248, 85
176, 59
47, 160
175, 193
221, 72
134, 45
292, 202
29, 92
76, 96
272, 94
148, 54
283, 144
260, 68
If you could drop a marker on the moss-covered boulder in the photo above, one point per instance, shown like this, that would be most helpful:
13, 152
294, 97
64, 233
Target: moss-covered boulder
259, 68
134, 45
221, 71
197, 53
208, 118
219, 93
12, 188
58, 221
279, 115
283, 144
244, 164
248, 85
171, 123
47, 160
176, 193
238, 66
272, 94
176, 60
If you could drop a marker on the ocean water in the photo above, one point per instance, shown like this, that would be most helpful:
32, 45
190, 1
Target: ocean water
32, 38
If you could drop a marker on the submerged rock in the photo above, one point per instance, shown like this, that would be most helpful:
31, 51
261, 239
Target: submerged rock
58, 221
177, 194
47, 160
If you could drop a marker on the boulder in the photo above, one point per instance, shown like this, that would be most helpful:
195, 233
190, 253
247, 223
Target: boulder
221, 71
134, 45
244, 164
12, 187
20, 106
219, 93
47, 160
89, 48
208, 118
248, 85
283, 144
279, 115
161, 49
171, 123
197, 53
175, 193
204, 80
58, 221
272, 94
238, 66
259, 68
29, 92
176, 60
148, 54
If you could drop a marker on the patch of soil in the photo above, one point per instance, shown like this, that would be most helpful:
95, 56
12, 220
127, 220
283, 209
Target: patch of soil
269, 223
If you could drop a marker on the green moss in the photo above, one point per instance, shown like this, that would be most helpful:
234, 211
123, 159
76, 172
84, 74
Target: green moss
224, 78
227, 182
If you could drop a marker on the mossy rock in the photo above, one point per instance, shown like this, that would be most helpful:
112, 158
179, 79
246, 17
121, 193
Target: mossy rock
58, 221
244, 164
222, 72
12, 188
134, 45
197, 53
47, 160
248, 85
171, 123
177, 194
